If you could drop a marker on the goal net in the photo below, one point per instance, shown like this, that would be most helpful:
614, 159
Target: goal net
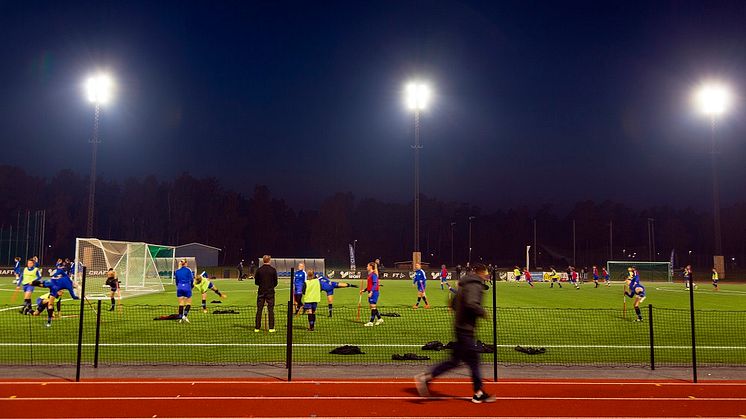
649, 271
283, 265
133, 262
166, 267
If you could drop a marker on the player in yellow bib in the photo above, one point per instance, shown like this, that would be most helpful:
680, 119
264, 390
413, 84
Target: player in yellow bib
30, 274
202, 283
311, 298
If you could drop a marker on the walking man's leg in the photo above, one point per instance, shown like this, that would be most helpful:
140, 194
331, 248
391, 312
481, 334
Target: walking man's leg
271, 311
259, 309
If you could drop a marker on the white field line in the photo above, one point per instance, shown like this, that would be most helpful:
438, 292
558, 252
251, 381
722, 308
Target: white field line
722, 291
10, 308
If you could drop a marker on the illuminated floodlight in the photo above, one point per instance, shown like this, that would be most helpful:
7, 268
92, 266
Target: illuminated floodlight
712, 98
417, 96
99, 89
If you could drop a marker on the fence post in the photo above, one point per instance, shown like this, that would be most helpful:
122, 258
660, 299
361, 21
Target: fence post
80, 325
694, 344
494, 323
98, 334
289, 340
652, 344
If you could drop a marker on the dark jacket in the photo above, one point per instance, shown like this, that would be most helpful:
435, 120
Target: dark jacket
468, 303
266, 279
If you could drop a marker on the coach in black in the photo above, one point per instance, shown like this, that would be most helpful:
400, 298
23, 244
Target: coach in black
266, 279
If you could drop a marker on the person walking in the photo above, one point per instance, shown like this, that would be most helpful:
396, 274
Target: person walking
468, 307
240, 270
266, 279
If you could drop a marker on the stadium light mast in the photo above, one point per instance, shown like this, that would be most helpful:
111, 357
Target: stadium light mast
98, 90
417, 97
713, 100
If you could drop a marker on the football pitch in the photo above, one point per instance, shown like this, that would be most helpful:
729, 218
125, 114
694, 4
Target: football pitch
585, 326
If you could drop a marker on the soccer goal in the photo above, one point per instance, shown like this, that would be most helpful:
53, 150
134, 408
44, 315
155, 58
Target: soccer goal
649, 271
134, 263
166, 267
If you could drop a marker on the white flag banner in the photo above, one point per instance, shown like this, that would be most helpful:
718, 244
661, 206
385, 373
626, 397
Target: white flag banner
352, 258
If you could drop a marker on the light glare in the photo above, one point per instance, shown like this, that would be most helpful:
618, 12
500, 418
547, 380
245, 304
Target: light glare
417, 96
712, 99
99, 88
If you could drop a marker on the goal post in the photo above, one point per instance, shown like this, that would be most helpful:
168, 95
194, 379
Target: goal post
133, 262
649, 271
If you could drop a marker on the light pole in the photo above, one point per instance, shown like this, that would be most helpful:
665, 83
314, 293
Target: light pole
453, 224
417, 96
471, 219
713, 100
98, 90
651, 239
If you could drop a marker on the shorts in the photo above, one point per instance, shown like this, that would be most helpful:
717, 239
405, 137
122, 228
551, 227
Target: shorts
373, 299
420, 287
183, 293
595, 278
113, 289
310, 306
210, 286
28, 288
442, 279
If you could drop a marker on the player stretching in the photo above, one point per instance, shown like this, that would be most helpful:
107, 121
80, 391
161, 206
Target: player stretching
715, 279
202, 283
58, 283
420, 281
517, 275
328, 287
311, 298
554, 277
298, 281
113, 283
184, 278
689, 278
527, 275
373, 294
443, 276
30, 274
636, 291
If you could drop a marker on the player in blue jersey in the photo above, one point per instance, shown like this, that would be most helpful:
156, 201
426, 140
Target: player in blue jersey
636, 291
58, 283
328, 286
184, 278
298, 280
420, 281
17, 270
373, 290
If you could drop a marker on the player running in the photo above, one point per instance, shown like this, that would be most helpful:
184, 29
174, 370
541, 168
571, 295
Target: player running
184, 278
574, 276
298, 280
311, 298
636, 290
328, 287
715, 279
527, 275
113, 283
517, 275
202, 283
554, 277
420, 281
30, 274
595, 276
373, 293
443, 276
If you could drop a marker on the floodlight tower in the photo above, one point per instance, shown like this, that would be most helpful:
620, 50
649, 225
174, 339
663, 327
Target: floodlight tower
417, 97
713, 99
98, 91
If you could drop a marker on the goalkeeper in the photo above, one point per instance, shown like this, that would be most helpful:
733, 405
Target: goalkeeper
202, 283
328, 287
113, 283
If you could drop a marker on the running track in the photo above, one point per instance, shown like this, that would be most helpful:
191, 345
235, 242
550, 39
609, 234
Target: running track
366, 398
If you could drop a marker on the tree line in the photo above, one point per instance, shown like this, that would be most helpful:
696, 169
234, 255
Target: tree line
188, 209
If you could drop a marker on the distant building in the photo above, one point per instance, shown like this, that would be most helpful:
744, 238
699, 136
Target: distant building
205, 255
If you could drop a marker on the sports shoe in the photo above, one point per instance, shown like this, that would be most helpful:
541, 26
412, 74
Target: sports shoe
184, 319
415, 306
421, 381
379, 321
49, 324
369, 324
272, 330
638, 319
427, 305
482, 398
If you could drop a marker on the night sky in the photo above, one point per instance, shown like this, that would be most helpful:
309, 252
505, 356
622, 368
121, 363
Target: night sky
534, 101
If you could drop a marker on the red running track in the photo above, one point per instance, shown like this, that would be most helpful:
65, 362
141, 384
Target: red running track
367, 398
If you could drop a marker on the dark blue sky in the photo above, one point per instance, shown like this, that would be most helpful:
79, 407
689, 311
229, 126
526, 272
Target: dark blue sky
534, 101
